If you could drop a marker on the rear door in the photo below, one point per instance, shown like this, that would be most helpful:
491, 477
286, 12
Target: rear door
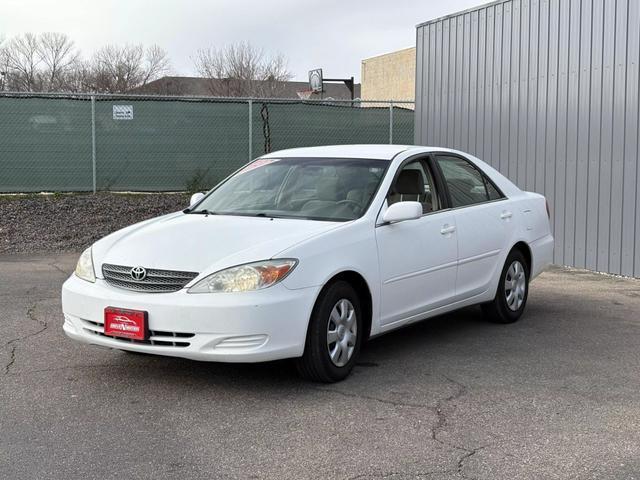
417, 258
484, 223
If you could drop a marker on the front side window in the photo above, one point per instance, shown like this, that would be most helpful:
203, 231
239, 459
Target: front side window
414, 183
466, 184
331, 189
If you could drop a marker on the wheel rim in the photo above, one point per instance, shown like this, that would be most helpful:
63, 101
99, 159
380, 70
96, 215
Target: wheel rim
342, 332
515, 286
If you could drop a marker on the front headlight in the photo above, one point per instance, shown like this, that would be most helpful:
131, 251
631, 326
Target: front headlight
84, 268
247, 277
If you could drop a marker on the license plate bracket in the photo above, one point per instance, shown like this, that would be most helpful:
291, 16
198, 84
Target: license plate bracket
126, 323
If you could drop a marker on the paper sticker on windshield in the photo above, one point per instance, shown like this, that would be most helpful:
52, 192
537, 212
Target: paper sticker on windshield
257, 164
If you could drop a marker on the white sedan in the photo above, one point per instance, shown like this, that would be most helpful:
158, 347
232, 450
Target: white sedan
306, 253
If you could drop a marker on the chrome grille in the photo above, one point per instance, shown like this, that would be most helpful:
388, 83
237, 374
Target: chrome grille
156, 337
156, 281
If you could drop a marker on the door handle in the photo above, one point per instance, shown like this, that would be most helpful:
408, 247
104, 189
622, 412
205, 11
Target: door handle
447, 229
506, 215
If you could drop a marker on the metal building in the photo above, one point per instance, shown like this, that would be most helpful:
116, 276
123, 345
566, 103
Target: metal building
547, 92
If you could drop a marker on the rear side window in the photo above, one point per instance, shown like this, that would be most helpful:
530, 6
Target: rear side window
467, 185
494, 194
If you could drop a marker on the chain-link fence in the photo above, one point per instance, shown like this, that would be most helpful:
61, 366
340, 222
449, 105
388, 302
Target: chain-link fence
140, 143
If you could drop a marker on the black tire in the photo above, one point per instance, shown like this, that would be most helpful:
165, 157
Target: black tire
498, 310
316, 364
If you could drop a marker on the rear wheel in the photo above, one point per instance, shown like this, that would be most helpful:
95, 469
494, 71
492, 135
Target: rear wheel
513, 288
334, 335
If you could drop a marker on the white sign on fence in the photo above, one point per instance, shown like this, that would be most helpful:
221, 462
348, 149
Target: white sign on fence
123, 112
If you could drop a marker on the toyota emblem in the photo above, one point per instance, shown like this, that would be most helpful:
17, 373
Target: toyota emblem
138, 273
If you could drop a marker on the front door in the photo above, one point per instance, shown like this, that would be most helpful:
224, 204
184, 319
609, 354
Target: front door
417, 258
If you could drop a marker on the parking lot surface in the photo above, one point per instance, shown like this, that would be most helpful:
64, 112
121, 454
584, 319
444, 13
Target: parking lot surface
554, 396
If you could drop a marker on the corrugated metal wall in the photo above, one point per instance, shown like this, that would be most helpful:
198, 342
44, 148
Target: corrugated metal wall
547, 92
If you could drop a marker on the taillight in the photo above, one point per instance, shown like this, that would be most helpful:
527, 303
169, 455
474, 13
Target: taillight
546, 203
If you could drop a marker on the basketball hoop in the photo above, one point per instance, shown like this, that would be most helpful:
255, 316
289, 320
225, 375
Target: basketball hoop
316, 83
304, 94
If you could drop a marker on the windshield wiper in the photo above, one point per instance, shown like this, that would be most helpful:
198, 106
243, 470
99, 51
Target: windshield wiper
237, 214
200, 212
265, 215
243, 214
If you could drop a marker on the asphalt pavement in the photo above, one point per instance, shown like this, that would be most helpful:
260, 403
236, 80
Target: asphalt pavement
554, 396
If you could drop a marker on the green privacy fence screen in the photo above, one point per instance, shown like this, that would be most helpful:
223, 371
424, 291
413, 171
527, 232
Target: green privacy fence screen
82, 143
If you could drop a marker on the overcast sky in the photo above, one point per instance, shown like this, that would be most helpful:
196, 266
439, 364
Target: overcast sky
332, 34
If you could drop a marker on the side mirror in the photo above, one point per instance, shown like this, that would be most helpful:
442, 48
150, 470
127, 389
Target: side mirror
401, 211
195, 198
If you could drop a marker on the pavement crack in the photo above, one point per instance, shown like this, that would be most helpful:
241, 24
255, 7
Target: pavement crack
463, 458
13, 343
443, 410
12, 357
396, 403
383, 475
55, 266
71, 367
442, 413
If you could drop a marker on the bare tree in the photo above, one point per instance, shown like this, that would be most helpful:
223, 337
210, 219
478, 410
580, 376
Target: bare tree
119, 69
115, 68
58, 55
23, 59
242, 70
156, 64
51, 62
80, 77
4, 68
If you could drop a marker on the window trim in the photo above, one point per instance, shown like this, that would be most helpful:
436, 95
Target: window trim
483, 175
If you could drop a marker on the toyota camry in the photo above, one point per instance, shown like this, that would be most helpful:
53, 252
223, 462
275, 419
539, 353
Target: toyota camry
307, 253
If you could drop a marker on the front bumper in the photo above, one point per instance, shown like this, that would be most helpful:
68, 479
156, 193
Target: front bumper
258, 326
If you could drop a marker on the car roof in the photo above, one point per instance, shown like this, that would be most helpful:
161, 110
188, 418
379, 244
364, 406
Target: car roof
380, 152
388, 152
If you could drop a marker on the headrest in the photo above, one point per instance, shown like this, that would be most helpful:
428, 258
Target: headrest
409, 182
356, 195
327, 189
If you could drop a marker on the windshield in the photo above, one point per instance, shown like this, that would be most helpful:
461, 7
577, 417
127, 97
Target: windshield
331, 189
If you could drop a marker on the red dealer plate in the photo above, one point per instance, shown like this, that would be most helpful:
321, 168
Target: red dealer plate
119, 322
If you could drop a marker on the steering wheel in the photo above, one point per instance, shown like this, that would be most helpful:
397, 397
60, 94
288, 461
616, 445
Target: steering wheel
355, 206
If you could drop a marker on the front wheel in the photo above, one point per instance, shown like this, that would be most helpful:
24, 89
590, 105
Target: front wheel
513, 289
334, 335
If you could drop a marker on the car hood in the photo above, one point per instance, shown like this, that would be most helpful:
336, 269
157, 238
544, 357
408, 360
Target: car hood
203, 244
